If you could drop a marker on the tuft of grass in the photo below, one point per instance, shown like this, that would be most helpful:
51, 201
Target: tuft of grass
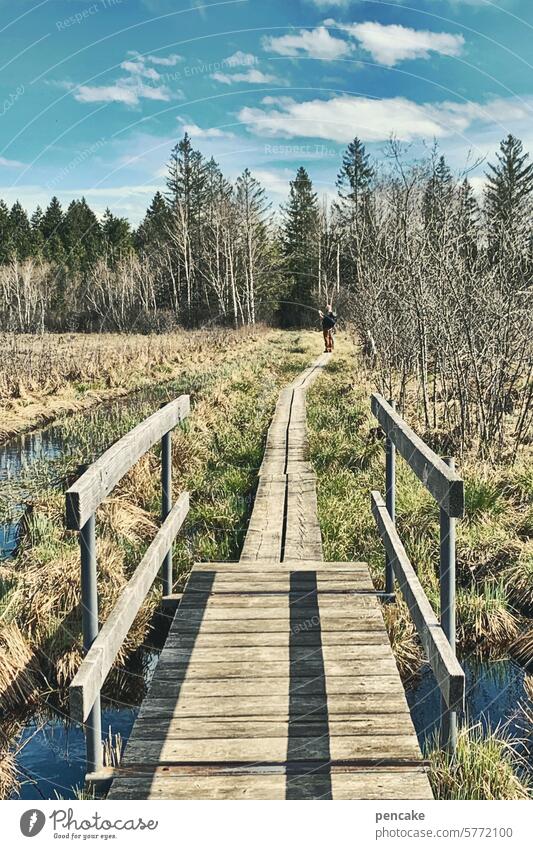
486, 621
483, 499
486, 765
518, 579
403, 638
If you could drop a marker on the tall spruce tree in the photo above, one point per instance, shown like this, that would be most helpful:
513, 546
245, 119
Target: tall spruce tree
152, 232
20, 232
467, 221
300, 241
37, 233
354, 209
186, 183
6, 241
53, 233
117, 237
509, 198
83, 236
438, 197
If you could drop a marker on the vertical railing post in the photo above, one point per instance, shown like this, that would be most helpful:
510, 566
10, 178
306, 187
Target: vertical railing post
166, 504
89, 613
448, 729
390, 500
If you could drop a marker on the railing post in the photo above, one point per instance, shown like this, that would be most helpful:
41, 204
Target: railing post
89, 613
166, 504
448, 728
390, 500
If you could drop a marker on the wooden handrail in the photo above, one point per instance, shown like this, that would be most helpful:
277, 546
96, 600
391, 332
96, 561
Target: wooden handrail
96, 483
445, 485
93, 671
446, 668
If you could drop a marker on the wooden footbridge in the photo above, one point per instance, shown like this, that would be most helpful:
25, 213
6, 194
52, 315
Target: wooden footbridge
277, 679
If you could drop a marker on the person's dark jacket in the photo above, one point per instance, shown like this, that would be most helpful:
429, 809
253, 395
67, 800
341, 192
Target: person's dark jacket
329, 321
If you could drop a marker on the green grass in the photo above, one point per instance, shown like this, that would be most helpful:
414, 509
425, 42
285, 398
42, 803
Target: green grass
485, 766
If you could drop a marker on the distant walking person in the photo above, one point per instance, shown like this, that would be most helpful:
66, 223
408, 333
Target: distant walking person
329, 320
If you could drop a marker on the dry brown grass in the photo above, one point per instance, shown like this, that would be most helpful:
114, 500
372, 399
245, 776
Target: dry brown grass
18, 672
403, 638
45, 376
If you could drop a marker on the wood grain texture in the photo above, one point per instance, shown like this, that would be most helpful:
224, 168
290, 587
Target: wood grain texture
101, 477
445, 485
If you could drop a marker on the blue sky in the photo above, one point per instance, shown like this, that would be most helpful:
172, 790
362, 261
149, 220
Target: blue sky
94, 93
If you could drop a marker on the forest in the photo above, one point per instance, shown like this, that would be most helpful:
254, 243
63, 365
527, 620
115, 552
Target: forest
436, 281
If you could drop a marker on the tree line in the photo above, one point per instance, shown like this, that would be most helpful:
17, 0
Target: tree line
436, 279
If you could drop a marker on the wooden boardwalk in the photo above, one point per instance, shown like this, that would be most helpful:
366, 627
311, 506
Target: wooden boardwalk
277, 679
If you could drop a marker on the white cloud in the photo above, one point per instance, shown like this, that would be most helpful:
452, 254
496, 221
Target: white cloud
10, 163
167, 61
240, 58
317, 43
126, 91
132, 88
205, 132
252, 76
340, 118
393, 43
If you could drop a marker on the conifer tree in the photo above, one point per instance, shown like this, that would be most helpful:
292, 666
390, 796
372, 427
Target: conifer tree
6, 245
20, 232
83, 236
509, 198
300, 239
117, 237
36, 232
53, 232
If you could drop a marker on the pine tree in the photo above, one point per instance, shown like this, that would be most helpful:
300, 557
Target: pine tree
300, 237
53, 233
509, 198
186, 183
37, 233
153, 230
438, 197
355, 208
21, 232
6, 240
467, 221
355, 177
83, 236
117, 237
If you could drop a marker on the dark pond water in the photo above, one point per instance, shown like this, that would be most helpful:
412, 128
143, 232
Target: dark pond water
493, 691
17, 456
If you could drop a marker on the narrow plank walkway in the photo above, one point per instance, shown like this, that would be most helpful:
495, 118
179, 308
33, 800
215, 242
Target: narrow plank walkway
277, 679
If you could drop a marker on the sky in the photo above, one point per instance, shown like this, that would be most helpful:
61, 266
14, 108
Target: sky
95, 93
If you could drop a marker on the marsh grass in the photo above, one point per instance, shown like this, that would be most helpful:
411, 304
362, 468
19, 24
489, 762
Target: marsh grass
486, 765
215, 457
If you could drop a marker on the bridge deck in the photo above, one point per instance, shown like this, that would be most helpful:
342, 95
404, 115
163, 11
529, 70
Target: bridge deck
277, 680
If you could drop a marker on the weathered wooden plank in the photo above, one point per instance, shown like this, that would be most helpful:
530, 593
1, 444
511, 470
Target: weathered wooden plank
255, 670
95, 667
444, 484
379, 783
96, 483
309, 725
274, 654
169, 686
256, 639
271, 749
446, 668
237, 705
275, 568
